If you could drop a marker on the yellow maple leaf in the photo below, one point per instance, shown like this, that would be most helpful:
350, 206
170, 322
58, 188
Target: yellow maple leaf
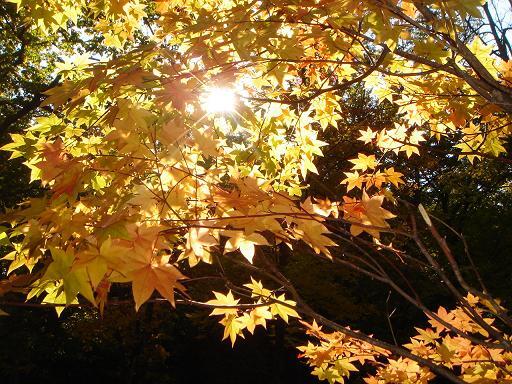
73, 281
197, 248
353, 180
364, 162
393, 177
224, 301
257, 316
313, 232
284, 309
246, 243
257, 289
367, 136
233, 327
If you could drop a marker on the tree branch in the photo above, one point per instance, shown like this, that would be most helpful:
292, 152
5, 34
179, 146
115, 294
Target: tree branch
28, 107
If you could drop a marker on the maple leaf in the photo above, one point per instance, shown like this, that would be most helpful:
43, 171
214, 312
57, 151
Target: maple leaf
377, 179
415, 138
443, 314
59, 168
409, 9
367, 136
233, 327
198, 242
307, 165
393, 176
233, 324
134, 76
320, 207
367, 212
158, 275
98, 262
74, 281
283, 308
364, 162
313, 233
257, 316
246, 243
353, 180
344, 366
224, 300
203, 140
173, 132
329, 374
60, 94
428, 335
147, 268
20, 258
257, 289
176, 92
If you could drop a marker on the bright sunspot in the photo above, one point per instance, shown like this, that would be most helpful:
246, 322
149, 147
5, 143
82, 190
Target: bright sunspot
219, 100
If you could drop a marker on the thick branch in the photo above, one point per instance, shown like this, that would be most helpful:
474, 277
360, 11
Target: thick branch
502, 49
28, 107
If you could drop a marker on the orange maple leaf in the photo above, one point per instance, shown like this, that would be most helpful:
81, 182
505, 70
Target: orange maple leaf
365, 213
149, 274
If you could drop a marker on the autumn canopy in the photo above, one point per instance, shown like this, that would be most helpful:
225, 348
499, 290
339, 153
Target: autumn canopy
196, 135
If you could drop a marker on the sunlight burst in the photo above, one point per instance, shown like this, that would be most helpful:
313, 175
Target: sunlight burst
219, 100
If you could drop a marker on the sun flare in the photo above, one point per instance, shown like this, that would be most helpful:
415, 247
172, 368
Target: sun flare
219, 100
